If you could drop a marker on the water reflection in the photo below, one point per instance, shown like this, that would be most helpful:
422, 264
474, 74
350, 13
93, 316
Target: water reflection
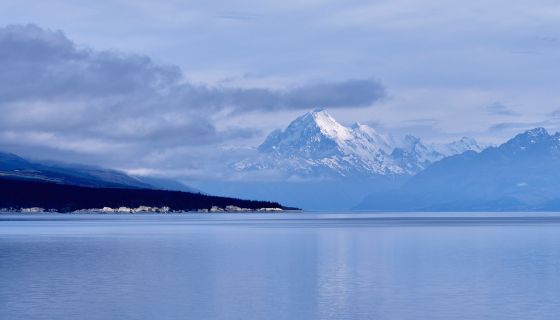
316, 267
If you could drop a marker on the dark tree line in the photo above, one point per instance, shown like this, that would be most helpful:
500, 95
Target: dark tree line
64, 198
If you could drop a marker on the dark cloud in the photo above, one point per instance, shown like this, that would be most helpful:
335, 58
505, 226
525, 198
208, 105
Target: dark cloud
47, 76
38, 63
353, 93
350, 93
42, 64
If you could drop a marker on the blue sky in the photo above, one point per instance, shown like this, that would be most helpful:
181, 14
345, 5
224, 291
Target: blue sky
167, 83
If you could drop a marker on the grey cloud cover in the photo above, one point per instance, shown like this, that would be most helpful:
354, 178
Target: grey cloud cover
349, 93
58, 98
38, 63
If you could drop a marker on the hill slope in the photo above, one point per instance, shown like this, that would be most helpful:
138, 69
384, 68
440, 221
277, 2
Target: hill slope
16, 167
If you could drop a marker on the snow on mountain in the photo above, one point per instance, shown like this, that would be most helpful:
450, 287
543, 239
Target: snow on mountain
413, 156
316, 145
535, 140
458, 147
518, 175
381, 141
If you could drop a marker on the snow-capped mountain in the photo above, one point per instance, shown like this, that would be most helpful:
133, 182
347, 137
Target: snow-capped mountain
519, 175
414, 156
458, 147
316, 145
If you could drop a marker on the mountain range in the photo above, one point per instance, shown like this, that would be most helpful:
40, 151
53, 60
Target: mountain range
317, 163
316, 146
320, 164
519, 175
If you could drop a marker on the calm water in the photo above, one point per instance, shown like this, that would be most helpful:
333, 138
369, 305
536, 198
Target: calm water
295, 266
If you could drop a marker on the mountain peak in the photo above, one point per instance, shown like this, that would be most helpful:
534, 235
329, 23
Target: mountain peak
533, 136
314, 133
536, 132
322, 120
535, 142
315, 144
323, 116
318, 113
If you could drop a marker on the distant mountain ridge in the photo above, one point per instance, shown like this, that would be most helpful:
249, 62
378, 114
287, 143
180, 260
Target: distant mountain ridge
15, 167
316, 145
64, 187
520, 175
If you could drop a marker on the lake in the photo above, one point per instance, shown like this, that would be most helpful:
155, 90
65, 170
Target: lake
280, 266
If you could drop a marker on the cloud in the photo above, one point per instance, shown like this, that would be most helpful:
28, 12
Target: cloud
514, 125
44, 64
552, 121
350, 93
551, 124
62, 98
555, 114
499, 108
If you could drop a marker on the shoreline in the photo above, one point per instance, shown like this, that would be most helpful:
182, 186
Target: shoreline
147, 210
